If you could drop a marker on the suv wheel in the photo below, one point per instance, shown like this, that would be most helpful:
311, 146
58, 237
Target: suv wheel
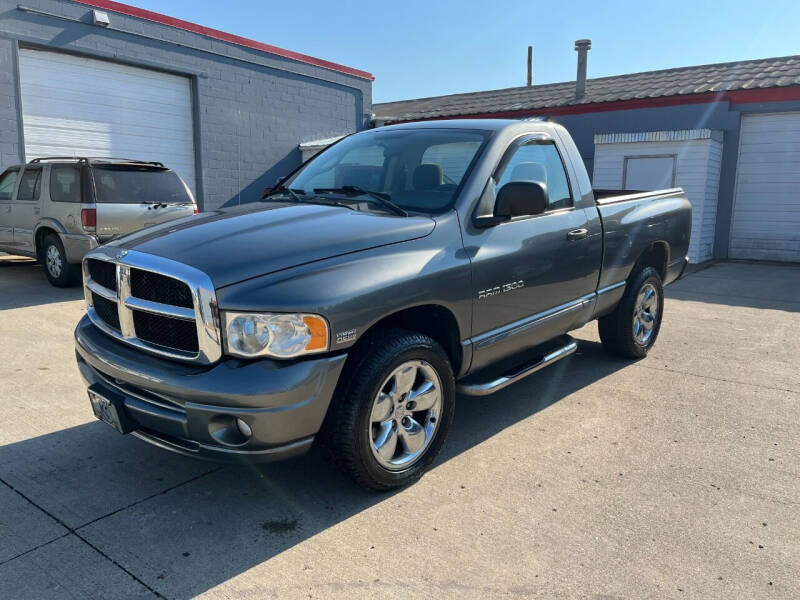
59, 272
632, 328
388, 421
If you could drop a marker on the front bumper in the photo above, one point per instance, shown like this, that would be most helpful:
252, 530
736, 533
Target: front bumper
187, 408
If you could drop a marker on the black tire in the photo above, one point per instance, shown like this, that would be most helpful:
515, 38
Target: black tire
345, 437
59, 272
617, 327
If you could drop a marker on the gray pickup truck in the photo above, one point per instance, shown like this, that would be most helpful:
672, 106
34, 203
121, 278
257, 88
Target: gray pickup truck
397, 268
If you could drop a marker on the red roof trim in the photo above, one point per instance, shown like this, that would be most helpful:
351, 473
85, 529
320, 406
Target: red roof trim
779, 94
155, 17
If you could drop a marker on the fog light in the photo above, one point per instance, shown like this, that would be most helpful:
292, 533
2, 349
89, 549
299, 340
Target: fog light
229, 430
244, 428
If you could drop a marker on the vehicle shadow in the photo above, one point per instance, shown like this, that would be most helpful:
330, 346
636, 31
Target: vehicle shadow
23, 283
183, 526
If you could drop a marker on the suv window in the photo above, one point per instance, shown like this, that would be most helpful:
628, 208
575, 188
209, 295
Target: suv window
65, 183
30, 185
539, 162
7, 182
128, 184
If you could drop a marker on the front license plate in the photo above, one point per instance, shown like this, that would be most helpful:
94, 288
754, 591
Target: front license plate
105, 410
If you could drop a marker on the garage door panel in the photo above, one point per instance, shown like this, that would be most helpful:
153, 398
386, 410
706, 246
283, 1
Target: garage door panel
91, 107
77, 106
766, 216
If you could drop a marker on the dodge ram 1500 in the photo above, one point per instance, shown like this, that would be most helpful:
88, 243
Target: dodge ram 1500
395, 269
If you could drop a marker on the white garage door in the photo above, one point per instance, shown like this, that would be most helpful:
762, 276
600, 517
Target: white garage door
75, 106
766, 213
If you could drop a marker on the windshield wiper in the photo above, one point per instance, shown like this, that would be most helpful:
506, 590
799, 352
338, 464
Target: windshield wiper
382, 198
285, 191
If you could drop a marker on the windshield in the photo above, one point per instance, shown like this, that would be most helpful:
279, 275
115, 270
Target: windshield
127, 184
417, 169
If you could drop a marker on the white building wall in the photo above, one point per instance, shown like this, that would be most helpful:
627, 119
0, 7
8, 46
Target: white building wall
697, 171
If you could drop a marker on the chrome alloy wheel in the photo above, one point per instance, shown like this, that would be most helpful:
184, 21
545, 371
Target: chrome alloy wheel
645, 314
53, 261
405, 415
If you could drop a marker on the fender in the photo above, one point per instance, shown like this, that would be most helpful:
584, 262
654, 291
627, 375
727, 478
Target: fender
50, 224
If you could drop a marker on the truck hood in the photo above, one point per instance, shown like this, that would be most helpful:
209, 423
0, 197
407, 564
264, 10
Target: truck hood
234, 244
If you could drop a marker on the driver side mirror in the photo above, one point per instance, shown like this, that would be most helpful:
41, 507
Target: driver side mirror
521, 199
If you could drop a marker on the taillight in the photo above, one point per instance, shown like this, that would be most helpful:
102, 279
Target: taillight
195, 211
89, 218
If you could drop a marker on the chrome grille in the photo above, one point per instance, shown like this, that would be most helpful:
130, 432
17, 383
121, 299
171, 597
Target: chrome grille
103, 272
160, 288
106, 310
156, 304
165, 331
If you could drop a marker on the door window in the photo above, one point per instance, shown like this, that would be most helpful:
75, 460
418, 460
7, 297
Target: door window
30, 185
65, 183
541, 163
7, 182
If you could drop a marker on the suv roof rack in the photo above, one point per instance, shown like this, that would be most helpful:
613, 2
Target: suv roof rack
91, 159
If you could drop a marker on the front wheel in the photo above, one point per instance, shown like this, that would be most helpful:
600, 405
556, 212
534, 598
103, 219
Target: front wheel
632, 328
391, 414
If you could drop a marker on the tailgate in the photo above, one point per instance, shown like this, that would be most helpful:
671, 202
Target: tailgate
119, 219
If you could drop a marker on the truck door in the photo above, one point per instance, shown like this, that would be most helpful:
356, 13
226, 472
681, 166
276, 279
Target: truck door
8, 181
531, 275
27, 207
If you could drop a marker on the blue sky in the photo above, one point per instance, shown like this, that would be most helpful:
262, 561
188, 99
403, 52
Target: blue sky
427, 48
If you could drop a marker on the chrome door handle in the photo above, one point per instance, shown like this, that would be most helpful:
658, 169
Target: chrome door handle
577, 234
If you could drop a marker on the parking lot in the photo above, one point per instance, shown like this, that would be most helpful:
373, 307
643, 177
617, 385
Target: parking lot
672, 477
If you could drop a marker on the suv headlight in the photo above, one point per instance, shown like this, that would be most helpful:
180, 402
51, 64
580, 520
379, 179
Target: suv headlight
250, 335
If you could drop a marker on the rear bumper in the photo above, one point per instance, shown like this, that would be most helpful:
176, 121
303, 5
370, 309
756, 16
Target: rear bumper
76, 245
193, 410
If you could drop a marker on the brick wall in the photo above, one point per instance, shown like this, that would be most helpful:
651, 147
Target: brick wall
252, 109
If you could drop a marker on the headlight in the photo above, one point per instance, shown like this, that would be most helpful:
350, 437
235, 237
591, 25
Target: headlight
277, 335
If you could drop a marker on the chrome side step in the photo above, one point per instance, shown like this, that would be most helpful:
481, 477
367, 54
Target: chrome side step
490, 387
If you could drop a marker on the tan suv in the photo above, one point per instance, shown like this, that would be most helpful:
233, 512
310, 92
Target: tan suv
57, 209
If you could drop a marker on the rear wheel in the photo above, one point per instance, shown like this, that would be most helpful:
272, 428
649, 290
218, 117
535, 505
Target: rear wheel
391, 414
58, 271
632, 328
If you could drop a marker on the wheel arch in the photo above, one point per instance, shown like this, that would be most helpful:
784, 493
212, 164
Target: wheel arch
433, 320
656, 255
43, 228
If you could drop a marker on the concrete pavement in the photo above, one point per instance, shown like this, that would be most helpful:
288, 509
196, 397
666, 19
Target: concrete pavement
672, 477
